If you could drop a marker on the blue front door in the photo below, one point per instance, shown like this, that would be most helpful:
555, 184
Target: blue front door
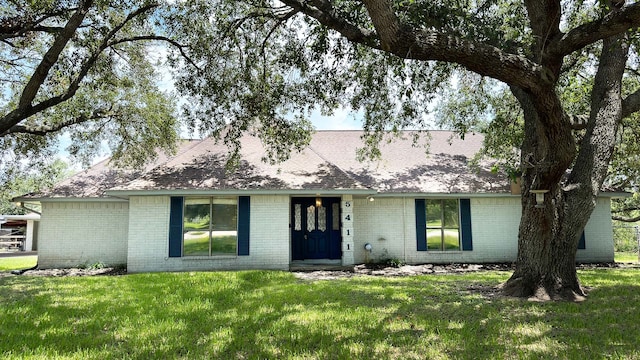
315, 228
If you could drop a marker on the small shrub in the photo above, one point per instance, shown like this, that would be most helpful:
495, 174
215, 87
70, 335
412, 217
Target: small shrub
387, 260
94, 266
395, 262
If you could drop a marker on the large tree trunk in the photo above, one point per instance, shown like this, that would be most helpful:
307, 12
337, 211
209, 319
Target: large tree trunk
547, 243
549, 232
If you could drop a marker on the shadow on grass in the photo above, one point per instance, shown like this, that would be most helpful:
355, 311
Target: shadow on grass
273, 315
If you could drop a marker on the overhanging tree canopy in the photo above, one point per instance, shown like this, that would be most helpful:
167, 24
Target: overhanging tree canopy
83, 67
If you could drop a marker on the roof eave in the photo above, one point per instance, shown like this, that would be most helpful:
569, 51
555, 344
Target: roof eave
67, 199
446, 195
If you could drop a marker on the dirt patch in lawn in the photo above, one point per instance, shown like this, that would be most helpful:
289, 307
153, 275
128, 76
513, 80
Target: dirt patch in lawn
405, 270
67, 272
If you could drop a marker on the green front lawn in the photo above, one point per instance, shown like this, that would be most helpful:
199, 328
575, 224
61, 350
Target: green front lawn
18, 262
269, 315
626, 257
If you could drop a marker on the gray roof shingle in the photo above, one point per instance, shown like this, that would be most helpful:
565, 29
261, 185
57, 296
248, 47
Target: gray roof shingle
329, 162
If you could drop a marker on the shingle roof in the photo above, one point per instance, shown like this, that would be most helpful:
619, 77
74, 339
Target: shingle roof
94, 181
437, 164
329, 162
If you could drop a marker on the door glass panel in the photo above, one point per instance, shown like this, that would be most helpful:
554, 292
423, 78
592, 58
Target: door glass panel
297, 217
311, 218
335, 219
322, 218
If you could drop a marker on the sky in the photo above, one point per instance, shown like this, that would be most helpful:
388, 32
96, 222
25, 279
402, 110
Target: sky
341, 120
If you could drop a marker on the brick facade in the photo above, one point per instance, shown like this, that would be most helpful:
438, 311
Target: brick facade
149, 234
137, 232
83, 233
388, 224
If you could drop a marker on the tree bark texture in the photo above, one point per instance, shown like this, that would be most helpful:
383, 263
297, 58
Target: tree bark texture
549, 234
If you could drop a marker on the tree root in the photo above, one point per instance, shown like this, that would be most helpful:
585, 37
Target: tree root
521, 287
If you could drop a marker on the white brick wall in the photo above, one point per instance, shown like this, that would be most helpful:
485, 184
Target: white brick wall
149, 238
82, 233
76, 233
382, 224
388, 224
148, 245
598, 235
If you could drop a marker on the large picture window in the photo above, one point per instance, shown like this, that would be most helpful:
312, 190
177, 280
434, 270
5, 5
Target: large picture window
210, 226
443, 224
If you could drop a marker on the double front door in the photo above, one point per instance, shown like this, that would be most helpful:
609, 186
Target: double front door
315, 228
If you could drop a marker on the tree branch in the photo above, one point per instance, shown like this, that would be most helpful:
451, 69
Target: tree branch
18, 26
424, 44
23, 112
45, 129
51, 56
598, 145
631, 104
626, 209
326, 15
282, 19
176, 44
625, 219
386, 23
614, 23
24, 108
544, 17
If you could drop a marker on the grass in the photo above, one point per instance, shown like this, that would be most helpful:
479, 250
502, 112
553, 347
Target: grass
268, 315
18, 262
626, 257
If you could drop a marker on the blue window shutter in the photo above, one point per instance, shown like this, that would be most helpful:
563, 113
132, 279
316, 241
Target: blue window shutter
582, 243
243, 225
465, 224
421, 225
175, 227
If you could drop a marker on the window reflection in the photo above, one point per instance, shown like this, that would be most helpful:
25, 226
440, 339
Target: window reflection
210, 226
443, 224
